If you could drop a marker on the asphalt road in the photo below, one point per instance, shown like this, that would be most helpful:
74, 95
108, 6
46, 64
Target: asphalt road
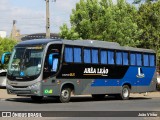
84, 104
81, 103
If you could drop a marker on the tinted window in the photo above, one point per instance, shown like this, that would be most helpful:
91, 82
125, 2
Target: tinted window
152, 60
69, 54
110, 57
94, 56
87, 55
119, 58
145, 60
133, 59
125, 58
103, 55
77, 55
139, 59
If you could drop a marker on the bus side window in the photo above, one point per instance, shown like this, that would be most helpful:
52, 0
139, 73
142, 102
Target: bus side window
68, 54
77, 55
139, 59
125, 58
87, 55
119, 58
95, 56
152, 60
145, 59
110, 57
133, 59
103, 57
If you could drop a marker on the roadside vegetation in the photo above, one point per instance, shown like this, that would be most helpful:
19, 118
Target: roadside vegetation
6, 45
136, 25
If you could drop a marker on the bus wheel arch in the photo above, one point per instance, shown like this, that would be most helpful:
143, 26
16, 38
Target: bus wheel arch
65, 93
128, 84
125, 91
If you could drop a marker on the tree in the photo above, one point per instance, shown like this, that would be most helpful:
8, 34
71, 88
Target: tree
103, 20
149, 20
6, 45
68, 34
123, 27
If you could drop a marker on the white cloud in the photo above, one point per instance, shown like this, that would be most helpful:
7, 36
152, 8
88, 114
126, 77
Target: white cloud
33, 21
30, 20
4, 5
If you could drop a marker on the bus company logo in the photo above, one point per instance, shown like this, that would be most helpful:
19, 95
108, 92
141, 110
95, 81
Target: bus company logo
96, 71
21, 73
140, 73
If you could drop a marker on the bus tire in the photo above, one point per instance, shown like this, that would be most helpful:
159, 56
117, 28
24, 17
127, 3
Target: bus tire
65, 95
98, 96
125, 93
36, 98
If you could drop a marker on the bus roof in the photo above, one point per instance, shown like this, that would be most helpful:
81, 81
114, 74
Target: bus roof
85, 43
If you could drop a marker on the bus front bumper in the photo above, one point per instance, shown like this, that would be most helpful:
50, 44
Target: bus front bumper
33, 90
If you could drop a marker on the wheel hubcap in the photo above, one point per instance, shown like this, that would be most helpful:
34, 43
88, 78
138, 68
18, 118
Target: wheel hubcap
65, 94
125, 92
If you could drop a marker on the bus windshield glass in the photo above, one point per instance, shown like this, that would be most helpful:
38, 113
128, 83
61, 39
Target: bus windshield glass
26, 61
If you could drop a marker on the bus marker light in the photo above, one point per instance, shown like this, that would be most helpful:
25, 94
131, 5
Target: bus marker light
78, 81
58, 82
44, 80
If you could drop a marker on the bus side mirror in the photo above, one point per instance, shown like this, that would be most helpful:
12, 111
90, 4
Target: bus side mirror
53, 62
5, 57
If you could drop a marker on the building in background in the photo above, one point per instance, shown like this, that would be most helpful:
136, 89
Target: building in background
39, 36
15, 33
3, 34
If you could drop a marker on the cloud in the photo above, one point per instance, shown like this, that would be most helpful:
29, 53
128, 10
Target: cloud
4, 5
32, 20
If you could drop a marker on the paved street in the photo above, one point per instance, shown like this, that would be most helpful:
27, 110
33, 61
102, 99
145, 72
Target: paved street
82, 103
137, 102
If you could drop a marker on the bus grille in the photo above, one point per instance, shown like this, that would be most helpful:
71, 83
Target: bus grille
20, 86
19, 92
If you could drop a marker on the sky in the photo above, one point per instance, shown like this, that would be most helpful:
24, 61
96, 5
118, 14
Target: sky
30, 15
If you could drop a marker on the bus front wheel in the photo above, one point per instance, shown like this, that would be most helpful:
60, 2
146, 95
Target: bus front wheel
125, 93
65, 95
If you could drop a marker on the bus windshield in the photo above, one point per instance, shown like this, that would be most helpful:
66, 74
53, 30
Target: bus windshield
25, 61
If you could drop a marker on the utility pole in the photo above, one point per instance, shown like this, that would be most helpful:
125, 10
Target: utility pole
47, 20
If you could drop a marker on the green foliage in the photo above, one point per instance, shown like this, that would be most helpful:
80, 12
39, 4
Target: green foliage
68, 34
120, 22
149, 20
103, 20
6, 45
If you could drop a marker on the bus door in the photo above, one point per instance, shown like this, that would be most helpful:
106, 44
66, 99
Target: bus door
52, 61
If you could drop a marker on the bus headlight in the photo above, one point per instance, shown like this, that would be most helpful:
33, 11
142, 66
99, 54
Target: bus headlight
35, 86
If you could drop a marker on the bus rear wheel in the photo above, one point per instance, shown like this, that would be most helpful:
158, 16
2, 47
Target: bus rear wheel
125, 93
65, 95
37, 98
